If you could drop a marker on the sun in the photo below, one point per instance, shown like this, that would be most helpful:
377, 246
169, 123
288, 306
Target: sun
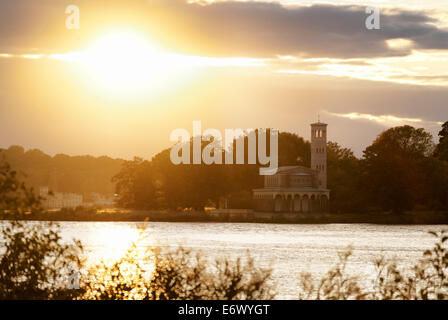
124, 61
129, 62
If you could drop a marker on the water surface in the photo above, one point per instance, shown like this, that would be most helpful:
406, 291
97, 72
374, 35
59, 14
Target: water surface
288, 248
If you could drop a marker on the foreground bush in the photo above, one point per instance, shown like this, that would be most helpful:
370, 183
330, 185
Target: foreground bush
35, 264
33, 261
426, 280
176, 274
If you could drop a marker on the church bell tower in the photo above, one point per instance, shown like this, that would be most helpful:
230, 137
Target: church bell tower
319, 152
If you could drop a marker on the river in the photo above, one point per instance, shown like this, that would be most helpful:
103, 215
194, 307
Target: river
287, 248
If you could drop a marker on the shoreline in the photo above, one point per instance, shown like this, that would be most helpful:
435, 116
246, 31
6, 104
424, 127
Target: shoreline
117, 215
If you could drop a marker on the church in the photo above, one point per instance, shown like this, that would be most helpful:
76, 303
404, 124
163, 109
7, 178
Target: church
295, 188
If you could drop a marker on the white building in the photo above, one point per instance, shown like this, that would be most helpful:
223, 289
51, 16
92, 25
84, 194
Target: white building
59, 200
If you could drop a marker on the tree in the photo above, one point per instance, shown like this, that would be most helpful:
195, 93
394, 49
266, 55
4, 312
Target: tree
15, 197
35, 263
392, 174
293, 150
161, 184
436, 182
441, 151
190, 186
63, 173
135, 185
343, 179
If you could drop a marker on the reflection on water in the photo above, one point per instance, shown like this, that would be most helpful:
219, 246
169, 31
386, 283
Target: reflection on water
108, 242
289, 249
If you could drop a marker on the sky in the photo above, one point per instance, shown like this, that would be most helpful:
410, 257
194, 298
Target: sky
136, 70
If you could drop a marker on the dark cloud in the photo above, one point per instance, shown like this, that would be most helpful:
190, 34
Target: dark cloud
238, 28
255, 29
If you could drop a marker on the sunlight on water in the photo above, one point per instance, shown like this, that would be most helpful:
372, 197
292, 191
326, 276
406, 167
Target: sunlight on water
103, 241
289, 249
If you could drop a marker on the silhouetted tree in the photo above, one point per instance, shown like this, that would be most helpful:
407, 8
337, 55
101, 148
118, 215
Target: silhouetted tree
441, 151
343, 179
135, 185
293, 150
63, 173
392, 174
194, 186
397, 172
15, 197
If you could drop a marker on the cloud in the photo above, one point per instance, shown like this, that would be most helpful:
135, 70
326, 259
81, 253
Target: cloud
370, 72
180, 61
227, 28
267, 29
387, 120
418, 69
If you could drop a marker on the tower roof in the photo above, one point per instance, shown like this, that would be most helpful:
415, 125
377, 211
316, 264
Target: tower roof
319, 124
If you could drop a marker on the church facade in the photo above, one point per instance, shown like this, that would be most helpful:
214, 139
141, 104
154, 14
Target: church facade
296, 188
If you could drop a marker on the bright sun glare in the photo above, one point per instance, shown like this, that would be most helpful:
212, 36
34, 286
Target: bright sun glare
124, 61
129, 62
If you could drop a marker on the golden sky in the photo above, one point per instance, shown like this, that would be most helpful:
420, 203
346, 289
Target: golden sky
136, 70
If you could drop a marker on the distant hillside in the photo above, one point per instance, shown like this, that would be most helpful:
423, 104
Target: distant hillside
63, 173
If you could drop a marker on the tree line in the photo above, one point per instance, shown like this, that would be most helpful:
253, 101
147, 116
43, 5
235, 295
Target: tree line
64, 173
403, 169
